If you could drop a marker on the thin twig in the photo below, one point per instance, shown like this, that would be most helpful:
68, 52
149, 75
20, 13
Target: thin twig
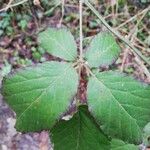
10, 2
134, 17
62, 12
51, 9
125, 56
126, 41
13, 5
143, 68
132, 36
81, 30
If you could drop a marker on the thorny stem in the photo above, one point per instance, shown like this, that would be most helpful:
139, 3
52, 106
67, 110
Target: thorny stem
133, 49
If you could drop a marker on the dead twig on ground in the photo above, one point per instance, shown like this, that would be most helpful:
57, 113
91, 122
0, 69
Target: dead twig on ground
134, 17
9, 5
132, 35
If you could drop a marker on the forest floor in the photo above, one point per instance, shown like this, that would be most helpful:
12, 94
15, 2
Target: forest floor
20, 25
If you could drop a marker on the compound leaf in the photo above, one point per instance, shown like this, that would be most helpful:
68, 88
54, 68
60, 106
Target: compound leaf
120, 145
59, 42
102, 51
120, 104
79, 133
41, 94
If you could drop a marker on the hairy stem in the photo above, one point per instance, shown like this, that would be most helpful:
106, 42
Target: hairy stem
81, 29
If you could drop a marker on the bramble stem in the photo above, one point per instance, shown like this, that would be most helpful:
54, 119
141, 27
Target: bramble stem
81, 29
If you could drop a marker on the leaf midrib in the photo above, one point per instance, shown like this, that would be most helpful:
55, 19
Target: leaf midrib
115, 99
105, 51
79, 131
43, 92
118, 104
62, 47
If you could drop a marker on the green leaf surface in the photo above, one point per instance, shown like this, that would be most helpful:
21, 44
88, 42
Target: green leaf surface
41, 94
146, 135
120, 104
103, 50
79, 133
59, 42
120, 145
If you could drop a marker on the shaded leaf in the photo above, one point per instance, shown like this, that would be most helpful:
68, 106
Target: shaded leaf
146, 134
41, 94
120, 145
102, 51
79, 133
120, 104
59, 42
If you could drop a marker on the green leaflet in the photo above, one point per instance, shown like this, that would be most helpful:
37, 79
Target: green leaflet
120, 104
120, 145
146, 135
59, 42
41, 94
79, 133
103, 50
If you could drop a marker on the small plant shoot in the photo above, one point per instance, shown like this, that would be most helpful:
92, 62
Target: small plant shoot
117, 109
